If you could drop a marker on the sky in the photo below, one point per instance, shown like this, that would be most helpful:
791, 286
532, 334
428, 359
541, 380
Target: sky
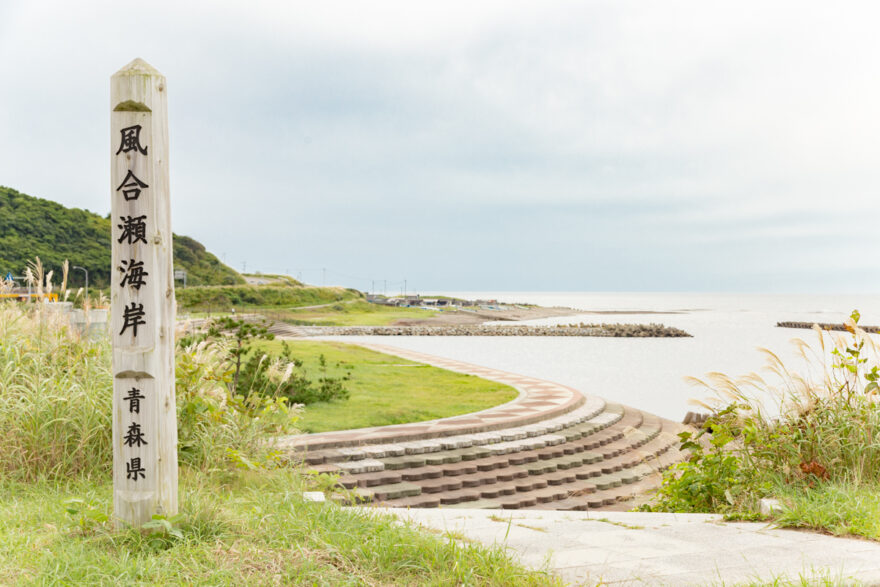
497, 146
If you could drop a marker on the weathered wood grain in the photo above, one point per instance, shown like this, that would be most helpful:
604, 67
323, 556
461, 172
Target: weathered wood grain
143, 359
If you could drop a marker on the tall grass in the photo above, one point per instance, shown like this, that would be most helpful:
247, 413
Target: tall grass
56, 402
797, 430
816, 419
55, 398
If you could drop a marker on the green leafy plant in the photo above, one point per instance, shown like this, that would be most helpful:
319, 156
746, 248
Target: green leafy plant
87, 518
164, 531
713, 478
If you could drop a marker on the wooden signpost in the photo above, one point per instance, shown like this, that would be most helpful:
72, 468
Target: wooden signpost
142, 298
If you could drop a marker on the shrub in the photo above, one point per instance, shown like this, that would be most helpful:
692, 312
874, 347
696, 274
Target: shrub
213, 423
258, 375
823, 425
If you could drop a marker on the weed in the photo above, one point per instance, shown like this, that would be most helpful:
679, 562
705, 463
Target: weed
621, 524
164, 531
535, 528
86, 517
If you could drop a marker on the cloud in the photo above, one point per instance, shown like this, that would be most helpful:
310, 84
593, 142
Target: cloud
477, 145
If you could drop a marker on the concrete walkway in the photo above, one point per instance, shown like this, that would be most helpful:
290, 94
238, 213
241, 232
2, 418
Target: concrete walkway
627, 548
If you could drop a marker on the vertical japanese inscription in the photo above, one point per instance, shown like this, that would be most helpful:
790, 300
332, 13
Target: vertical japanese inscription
133, 228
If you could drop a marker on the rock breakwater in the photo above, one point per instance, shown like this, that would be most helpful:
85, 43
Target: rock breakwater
826, 326
607, 330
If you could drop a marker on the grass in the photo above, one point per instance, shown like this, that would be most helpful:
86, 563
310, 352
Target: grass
243, 520
841, 509
386, 389
239, 528
356, 313
243, 297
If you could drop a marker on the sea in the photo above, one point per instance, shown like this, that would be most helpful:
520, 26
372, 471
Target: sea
649, 373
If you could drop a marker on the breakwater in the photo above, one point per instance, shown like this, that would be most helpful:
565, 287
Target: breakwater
827, 326
606, 330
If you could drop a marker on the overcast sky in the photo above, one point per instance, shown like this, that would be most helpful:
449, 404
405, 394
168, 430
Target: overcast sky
583, 146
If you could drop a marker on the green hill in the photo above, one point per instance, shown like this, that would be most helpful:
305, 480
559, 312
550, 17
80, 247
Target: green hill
32, 227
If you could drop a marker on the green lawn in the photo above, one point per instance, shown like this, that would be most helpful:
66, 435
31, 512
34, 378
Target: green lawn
356, 313
388, 390
244, 528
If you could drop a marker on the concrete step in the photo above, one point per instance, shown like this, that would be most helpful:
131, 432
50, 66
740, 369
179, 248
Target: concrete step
580, 461
590, 414
482, 504
388, 492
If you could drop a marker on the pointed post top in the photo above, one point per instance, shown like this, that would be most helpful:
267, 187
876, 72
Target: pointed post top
138, 67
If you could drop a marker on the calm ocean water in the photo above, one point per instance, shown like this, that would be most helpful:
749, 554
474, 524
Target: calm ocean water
648, 373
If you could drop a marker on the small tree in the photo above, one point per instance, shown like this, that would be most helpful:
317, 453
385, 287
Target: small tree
242, 332
252, 372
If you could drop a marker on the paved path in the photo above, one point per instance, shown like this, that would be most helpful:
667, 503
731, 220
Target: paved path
627, 548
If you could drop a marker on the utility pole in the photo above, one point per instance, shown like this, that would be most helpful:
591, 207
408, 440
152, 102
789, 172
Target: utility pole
323, 276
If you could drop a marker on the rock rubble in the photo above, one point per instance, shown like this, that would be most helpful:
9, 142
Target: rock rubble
607, 330
827, 326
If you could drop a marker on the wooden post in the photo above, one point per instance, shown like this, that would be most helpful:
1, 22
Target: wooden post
142, 298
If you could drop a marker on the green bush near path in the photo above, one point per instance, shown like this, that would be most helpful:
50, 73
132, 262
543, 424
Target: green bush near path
385, 389
817, 450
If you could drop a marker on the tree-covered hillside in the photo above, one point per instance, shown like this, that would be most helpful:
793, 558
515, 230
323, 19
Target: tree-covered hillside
32, 227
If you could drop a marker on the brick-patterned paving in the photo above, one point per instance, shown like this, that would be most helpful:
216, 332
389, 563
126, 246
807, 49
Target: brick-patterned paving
550, 448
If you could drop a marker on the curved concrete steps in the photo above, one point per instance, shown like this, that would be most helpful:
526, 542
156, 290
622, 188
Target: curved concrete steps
575, 453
